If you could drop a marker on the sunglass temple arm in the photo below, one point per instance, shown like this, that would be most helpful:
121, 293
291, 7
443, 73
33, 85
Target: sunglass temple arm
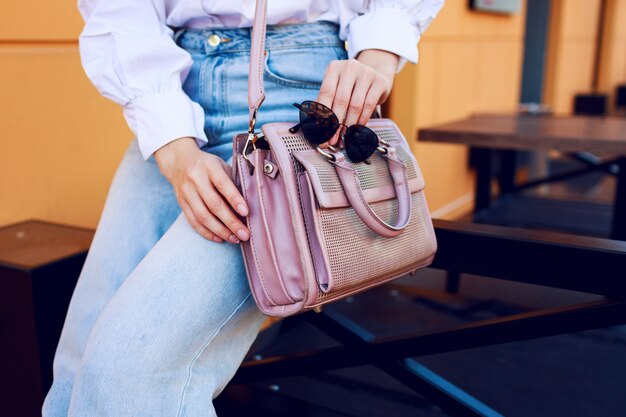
295, 128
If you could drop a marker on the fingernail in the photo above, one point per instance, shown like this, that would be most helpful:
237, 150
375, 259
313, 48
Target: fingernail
217, 239
242, 209
233, 239
242, 234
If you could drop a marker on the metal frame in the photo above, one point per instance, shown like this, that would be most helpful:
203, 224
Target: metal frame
557, 260
484, 160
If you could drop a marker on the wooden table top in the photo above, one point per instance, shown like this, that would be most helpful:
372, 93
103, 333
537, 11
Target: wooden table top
564, 133
35, 243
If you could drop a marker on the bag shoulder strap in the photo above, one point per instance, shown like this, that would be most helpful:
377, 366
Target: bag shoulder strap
256, 93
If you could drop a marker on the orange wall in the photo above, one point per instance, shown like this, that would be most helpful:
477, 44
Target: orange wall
613, 59
61, 141
571, 49
469, 62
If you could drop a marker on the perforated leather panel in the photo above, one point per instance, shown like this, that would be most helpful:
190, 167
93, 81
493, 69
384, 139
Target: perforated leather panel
356, 253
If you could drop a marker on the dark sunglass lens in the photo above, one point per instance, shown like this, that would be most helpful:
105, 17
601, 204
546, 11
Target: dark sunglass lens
360, 143
319, 123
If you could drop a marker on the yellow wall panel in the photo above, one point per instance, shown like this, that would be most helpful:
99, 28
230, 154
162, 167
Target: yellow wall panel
613, 59
448, 22
490, 26
579, 19
499, 77
457, 81
407, 93
572, 49
61, 140
574, 74
445, 172
458, 22
618, 19
427, 91
39, 20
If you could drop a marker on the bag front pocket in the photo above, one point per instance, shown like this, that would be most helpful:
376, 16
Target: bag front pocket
347, 254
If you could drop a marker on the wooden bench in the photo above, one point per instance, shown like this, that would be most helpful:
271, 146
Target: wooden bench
39, 265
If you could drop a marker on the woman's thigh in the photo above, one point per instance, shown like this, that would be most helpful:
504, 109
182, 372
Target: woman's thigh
173, 334
140, 206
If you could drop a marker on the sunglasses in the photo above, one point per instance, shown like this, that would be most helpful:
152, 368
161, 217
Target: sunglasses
319, 124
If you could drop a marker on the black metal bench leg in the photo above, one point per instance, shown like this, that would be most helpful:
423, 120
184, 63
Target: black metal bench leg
483, 160
618, 231
450, 398
453, 282
508, 169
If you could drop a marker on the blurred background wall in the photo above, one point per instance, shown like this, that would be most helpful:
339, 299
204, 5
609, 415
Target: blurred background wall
574, 31
472, 62
469, 62
61, 141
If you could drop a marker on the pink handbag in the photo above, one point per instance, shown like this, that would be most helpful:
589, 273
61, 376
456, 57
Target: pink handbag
322, 230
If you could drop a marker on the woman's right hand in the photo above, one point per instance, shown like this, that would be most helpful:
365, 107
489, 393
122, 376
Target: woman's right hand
204, 190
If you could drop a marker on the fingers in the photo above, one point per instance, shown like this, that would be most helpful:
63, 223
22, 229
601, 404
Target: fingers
343, 93
328, 88
198, 227
222, 181
358, 99
329, 84
206, 218
209, 198
352, 90
375, 96
227, 224
218, 197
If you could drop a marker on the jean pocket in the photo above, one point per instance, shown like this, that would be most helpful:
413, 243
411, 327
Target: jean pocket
300, 67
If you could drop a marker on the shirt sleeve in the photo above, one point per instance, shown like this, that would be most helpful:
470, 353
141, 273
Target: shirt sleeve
392, 25
129, 54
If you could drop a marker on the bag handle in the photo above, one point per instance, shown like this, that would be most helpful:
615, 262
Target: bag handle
354, 193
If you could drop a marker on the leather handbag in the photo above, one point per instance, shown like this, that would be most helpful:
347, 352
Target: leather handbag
322, 228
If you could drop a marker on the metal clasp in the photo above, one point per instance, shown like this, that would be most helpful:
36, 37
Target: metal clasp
382, 149
249, 142
329, 156
252, 137
252, 121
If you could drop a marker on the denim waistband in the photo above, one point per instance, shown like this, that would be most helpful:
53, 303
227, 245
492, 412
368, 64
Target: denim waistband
320, 33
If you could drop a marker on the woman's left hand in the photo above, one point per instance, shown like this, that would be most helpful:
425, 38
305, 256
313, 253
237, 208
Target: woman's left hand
353, 88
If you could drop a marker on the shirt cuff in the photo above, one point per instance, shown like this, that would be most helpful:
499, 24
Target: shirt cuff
388, 29
159, 118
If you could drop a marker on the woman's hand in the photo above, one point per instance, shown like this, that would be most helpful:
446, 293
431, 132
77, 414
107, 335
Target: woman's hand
204, 190
353, 88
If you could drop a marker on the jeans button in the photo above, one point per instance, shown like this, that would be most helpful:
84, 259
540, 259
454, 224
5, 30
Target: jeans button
214, 40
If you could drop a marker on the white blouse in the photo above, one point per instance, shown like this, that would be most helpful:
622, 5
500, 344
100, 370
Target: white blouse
128, 52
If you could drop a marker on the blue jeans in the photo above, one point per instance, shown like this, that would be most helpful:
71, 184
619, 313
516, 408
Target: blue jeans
161, 318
